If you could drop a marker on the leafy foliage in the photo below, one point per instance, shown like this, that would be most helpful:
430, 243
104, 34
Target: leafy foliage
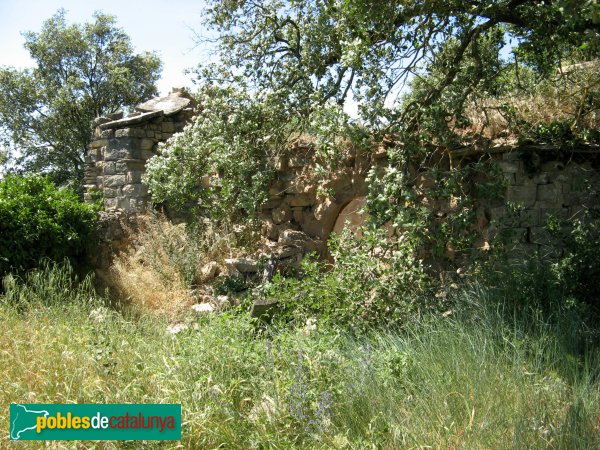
82, 72
371, 283
225, 139
40, 221
412, 68
309, 53
576, 270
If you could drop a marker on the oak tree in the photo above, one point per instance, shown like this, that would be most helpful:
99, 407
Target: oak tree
81, 71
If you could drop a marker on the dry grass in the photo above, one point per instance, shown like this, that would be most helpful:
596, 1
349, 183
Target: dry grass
571, 97
161, 271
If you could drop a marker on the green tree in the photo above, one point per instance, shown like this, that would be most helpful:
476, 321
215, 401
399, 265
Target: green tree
81, 72
411, 65
40, 221
309, 53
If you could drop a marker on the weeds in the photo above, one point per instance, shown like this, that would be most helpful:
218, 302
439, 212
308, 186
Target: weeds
484, 377
163, 266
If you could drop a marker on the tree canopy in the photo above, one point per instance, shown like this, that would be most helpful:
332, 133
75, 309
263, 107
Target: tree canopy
414, 68
313, 52
81, 72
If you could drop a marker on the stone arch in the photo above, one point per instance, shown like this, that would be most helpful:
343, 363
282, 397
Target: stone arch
351, 215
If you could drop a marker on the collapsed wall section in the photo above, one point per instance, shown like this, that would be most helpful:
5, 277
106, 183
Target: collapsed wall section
116, 158
541, 182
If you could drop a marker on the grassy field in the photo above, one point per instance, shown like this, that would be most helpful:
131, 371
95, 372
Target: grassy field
479, 379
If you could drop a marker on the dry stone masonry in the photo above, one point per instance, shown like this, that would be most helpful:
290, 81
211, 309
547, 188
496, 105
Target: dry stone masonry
121, 146
542, 182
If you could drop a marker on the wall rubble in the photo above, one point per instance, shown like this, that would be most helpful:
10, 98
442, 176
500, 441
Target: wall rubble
541, 182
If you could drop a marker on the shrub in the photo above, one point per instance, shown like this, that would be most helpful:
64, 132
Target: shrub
578, 269
375, 281
40, 221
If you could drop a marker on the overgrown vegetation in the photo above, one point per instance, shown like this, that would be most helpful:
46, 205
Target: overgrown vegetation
382, 346
40, 221
162, 270
486, 376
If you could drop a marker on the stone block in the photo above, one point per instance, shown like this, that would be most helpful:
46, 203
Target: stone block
109, 168
115, 180
511, 156
98, 143
511, 178
523, 179
110, 203
168, 127
529, 218
281, 214
165, 136
270, 230
510, 166
130, 132
146, 154
327, 208
121, 167
552, 166
137, 204
271, 203
523, 195
542, 178
111, 192
107, 134
135, 190
116, 154
551, 193
313, 227
210, 270
134, 176
135, 164
146, 144
298, 214
301, 200
243, 265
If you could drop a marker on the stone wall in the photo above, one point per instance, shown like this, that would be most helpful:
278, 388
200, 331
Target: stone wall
117, 155
541, 182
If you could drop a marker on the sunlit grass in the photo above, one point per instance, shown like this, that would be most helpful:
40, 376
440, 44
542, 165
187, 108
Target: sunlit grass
474, 381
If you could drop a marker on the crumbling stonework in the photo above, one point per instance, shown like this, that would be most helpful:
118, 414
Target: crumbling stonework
542, 182
117, 155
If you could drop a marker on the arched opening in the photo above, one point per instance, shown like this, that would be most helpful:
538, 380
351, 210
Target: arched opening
351, 216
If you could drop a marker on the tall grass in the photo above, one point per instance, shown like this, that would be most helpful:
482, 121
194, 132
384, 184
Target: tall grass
482, 378
163, 265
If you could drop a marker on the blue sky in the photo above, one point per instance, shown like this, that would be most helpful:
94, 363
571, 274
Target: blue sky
166, 27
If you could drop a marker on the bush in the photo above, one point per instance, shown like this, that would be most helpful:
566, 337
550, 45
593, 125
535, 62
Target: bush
40, 221
375, 281
578, 269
